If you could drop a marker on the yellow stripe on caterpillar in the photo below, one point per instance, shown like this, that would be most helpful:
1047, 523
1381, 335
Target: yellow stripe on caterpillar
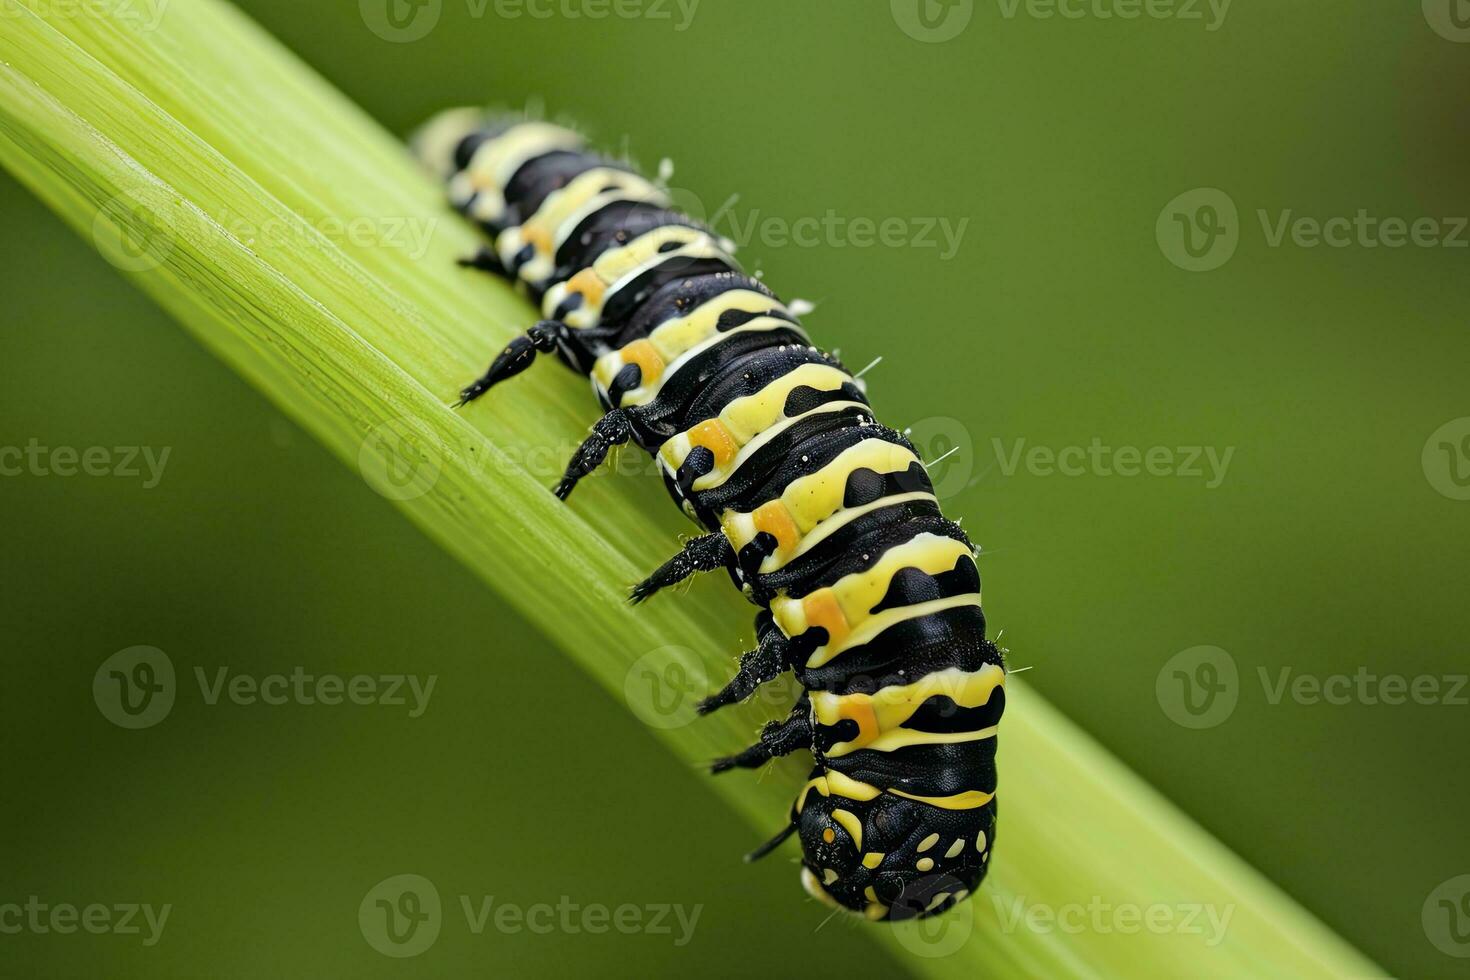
563, 210
436, 141
759, 324
835, 783
818, 497
748, 417
717, 476
615, 263
740, 530
617, 267
682, 334
968, 800
874, 625
858, 593
675, 337
880, 716
851, 824
497, 160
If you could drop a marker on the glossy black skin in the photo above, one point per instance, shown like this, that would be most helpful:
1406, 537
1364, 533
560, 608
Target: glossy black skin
892, 825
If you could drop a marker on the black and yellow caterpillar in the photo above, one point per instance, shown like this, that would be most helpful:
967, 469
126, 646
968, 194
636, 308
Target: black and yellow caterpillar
823, 517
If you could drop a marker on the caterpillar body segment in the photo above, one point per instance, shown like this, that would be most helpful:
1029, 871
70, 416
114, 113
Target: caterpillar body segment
823, 517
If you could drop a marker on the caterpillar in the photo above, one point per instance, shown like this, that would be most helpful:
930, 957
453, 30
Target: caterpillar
823, 517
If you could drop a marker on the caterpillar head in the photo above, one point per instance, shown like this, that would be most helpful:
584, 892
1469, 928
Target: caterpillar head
892, 857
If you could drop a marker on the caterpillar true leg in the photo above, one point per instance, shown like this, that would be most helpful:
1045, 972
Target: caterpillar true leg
518, 355
771, 844
778, 738
702, 554
764, 663
613, 429
485, 260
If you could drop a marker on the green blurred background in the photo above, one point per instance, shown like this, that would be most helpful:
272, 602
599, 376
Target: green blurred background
1330, 544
